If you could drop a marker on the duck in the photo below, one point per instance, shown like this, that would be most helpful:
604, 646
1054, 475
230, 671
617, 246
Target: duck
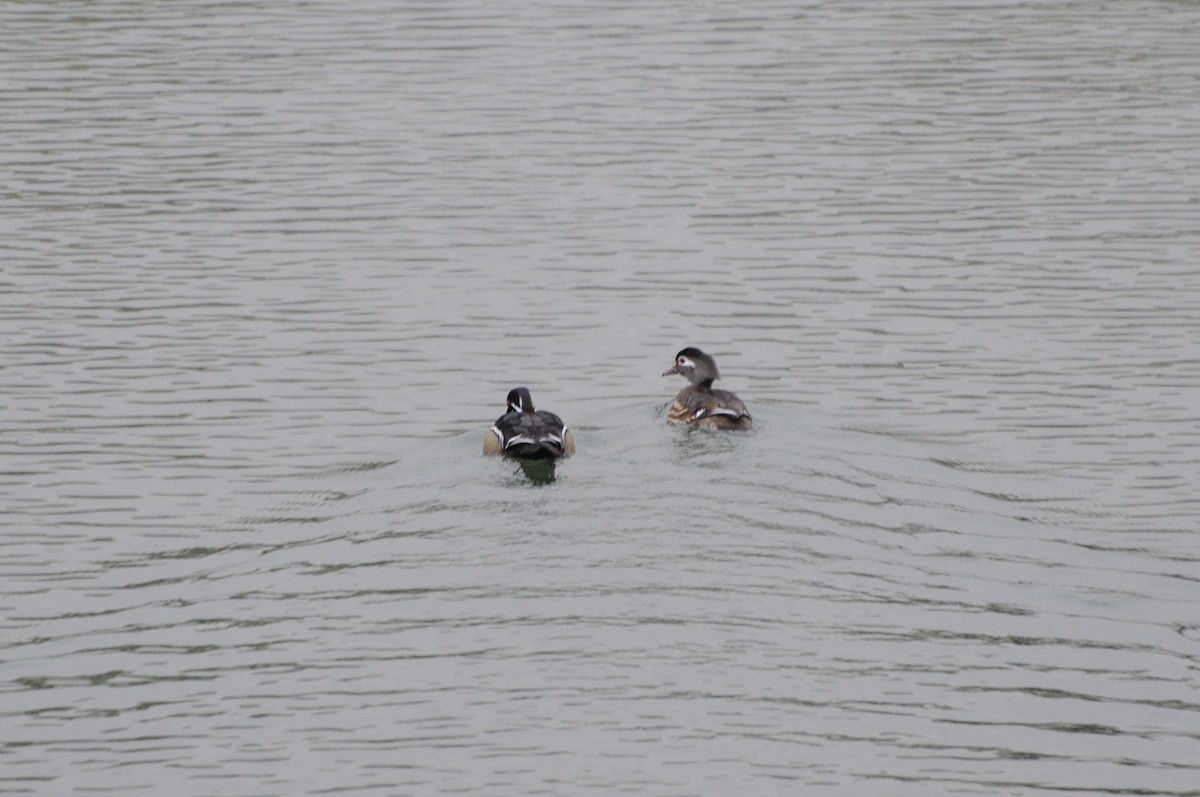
528, 434
699, 404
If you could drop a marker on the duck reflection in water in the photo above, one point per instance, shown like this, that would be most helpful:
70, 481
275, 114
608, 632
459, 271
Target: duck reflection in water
538, 471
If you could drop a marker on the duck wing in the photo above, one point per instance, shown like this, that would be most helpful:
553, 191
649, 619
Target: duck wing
699, 406
532, 435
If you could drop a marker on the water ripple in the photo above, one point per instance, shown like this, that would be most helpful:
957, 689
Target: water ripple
264, 294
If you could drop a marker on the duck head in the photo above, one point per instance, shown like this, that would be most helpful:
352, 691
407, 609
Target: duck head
695, 366
519, 400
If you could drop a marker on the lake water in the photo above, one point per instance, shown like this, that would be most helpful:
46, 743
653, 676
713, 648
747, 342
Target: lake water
269, 270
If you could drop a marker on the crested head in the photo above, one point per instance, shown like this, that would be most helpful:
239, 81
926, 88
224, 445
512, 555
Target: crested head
519, 400
695, 366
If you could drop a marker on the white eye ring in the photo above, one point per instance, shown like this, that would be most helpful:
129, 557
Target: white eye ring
685, 362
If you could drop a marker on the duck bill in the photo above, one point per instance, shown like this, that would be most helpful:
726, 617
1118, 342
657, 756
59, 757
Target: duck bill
673, 370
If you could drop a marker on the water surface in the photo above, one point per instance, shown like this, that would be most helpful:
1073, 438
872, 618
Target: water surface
270, 270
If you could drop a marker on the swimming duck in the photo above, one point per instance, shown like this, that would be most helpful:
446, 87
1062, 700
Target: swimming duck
698, 404
525, 433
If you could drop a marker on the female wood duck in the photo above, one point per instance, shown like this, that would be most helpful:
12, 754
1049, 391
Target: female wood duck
698, 404
525, 433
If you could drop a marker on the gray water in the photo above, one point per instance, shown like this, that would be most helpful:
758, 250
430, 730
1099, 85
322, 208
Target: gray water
268, 271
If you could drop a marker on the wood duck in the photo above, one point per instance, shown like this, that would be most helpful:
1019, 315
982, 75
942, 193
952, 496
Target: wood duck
525, 433
698, 404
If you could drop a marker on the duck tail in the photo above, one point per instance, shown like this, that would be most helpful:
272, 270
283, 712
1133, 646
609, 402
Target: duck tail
539, 449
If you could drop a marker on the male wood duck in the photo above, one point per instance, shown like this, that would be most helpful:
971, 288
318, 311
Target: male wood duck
698, 404
525, 433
